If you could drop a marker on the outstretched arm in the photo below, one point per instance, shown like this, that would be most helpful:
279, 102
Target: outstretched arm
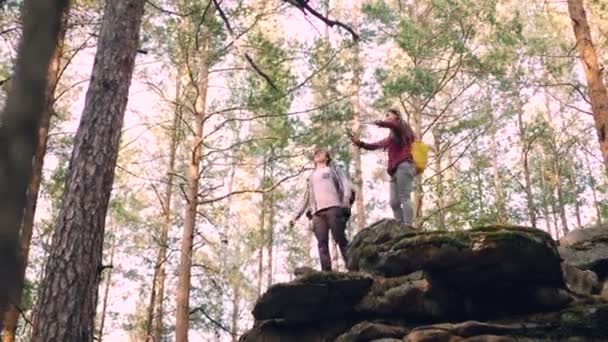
372, 146
387, 124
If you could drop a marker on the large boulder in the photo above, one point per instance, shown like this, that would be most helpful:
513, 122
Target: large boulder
313, 297
587, 249
479, 273
471, 258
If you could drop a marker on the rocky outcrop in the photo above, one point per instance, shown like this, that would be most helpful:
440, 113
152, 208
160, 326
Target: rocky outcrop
501, 283
587, 249
317, 296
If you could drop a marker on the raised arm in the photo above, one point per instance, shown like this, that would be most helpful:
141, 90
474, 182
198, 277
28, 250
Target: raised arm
374, 145
387, 124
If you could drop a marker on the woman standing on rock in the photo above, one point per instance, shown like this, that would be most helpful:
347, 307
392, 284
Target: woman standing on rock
401, 169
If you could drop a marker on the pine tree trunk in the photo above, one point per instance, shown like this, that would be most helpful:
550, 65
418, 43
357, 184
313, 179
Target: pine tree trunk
574, 186
271, 223
593, 73
560, 195
526, 165
106, 292
262, 231
499, 198
21, 119
185, 265
596, 203
27, 227
356, 125
440, 193
545, 195
74, 265
418, 195
236, 310
154, 324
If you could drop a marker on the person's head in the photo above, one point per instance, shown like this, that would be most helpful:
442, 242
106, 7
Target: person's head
394, 114
321, 157
406, 135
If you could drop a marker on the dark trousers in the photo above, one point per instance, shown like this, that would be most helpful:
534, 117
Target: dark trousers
331, 219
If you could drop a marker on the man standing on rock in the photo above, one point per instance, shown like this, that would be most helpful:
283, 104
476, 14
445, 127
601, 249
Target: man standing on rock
327, 200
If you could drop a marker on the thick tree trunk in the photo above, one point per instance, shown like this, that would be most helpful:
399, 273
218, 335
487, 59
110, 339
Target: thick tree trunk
106, 292
27, 226
185, 265
21, 119
74, 265
593, 72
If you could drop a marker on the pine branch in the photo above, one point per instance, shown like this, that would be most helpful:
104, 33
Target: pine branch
304, 7
237, 46
255, 191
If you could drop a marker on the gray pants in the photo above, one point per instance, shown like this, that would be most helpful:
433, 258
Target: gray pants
401, 190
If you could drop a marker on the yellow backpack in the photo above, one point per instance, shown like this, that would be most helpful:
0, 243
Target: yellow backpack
420, 153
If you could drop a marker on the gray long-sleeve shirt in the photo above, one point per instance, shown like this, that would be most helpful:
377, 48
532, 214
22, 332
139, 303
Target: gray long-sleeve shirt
326, 187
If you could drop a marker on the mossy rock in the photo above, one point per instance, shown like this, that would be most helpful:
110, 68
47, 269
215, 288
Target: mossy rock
313, 297
388, 249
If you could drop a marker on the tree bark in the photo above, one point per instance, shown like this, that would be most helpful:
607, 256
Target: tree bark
27, 227
185, 265
20, 122
593, 73
68, 296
